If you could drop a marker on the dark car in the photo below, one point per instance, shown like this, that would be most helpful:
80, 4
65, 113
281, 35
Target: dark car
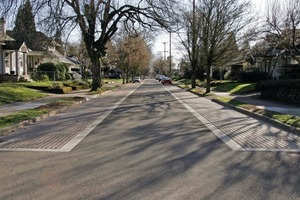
115, 76
166, 80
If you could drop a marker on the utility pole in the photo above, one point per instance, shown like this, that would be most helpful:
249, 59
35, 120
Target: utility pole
165, 51
170, 61
194, 40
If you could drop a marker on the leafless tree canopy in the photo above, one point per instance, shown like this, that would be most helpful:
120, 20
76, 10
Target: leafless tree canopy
283, 23
212, 28
98, 20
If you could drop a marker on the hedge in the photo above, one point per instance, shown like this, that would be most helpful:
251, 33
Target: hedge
282, 90
60, 90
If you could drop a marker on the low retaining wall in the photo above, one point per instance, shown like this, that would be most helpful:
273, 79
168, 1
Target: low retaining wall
8, 78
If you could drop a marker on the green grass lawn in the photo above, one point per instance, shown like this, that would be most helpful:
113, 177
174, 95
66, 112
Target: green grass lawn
14, 92
235, 88
10, 93
226, 86
39, 84
35, 112
21, 116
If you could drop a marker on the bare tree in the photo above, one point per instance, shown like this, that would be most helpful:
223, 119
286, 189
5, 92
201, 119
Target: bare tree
191, 40
78, 52
160, 65
133, 55
212, 28
282, 25
222, 21
98, 20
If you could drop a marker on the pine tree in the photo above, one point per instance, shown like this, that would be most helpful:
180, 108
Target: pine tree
25, 30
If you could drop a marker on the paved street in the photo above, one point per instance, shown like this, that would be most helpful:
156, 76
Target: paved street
146, 141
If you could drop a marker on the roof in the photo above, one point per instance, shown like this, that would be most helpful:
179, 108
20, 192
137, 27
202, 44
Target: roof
41, 41
63, 59
5, 38
275, 52
73, 60
13, 45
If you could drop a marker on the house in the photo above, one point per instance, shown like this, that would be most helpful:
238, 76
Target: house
278, 62
18, 59
243, 62
13, 57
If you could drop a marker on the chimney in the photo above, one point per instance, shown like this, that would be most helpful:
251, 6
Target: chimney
2, 26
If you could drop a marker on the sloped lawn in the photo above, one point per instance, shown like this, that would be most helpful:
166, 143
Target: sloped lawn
10, 93
236, 88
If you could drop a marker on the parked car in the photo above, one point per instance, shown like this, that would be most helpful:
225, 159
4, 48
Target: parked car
137, 79
161, 77
116, 76
166, 80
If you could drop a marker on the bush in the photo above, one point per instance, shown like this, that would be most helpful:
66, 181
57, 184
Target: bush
252, 76
39, 77
219, 74
46, 67
44, 77
60, 90
77, 84
54, 72
282, 90
61, 70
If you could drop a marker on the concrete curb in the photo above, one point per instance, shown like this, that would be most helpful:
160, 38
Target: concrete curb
261, 117
276, 123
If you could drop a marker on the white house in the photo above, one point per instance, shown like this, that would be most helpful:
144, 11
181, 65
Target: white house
18, 59
13, 56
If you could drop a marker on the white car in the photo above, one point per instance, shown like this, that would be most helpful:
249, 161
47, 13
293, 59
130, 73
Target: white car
137, 79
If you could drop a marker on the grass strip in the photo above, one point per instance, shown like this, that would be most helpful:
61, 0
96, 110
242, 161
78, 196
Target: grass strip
291, 120
21, 116
236, 88
36, 112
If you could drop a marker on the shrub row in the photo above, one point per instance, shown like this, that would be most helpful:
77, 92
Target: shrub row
60, 90
66, 87
282, 90
247, 76
50, 71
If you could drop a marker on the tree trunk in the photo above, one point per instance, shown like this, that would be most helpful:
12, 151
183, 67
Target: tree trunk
194, 66
96, 70
208, 78
193, 82
127, 76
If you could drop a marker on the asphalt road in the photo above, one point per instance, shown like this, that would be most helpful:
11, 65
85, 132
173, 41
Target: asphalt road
148, 147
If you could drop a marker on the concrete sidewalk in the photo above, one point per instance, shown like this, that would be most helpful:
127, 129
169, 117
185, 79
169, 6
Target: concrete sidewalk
12, 108
239, 131
254, 99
